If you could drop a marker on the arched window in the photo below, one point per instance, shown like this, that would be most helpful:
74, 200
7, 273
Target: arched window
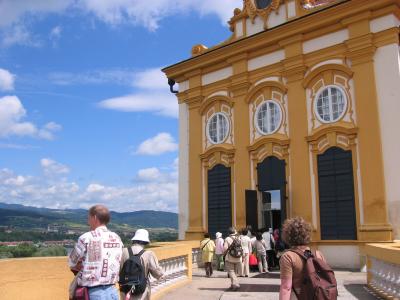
331, 104
218, 128
268, 117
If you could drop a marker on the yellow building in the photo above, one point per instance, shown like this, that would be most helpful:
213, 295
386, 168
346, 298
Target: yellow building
296, 114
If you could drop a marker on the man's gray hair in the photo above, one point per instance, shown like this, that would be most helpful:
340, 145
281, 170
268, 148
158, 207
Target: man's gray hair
231, 230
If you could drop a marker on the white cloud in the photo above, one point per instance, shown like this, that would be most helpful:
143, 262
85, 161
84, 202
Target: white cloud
19, 35
116, 12
164, 104
17, 146
6, 80
161, 143
149, 174
12, 113
113, 76
153, 95
158, 193
55, 33
51, 167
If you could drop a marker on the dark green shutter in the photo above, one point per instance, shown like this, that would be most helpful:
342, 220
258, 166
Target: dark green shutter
336, 195
219, 200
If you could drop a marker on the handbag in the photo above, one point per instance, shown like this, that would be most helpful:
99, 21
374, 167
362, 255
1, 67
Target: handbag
253, 260
81, 293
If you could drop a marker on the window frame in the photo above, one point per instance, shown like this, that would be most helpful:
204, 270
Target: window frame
342, 114
260, 131
226, 117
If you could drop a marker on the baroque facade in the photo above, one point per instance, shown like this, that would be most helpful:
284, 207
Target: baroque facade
296, 114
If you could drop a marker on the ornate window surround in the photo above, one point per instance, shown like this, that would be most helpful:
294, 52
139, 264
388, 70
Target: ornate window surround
212, 105
323, 77
264, 91
220, 154
346, 139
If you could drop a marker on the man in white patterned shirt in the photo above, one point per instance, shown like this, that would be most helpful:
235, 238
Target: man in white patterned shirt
96, 256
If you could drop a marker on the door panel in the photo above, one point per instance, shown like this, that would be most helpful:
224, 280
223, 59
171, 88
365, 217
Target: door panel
219, 200
336, 195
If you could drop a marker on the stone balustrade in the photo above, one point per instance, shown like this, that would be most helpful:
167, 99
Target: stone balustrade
48, 278
383, 263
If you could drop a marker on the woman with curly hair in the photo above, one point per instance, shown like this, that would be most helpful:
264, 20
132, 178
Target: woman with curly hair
296, 233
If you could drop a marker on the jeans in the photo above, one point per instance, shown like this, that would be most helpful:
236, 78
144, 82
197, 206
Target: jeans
262, 263
103, 292
209, 269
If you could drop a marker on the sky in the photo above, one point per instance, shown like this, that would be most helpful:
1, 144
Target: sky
86, 115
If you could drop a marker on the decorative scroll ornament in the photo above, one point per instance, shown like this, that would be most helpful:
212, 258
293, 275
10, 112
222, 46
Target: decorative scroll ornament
198, 49
251, 7
311, 4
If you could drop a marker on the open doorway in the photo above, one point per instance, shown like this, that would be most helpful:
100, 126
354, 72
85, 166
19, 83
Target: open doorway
272, 188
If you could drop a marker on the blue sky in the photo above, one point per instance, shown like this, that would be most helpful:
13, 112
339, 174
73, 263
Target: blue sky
85, 112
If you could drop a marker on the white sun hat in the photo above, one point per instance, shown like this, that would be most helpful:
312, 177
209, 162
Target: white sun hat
141, 235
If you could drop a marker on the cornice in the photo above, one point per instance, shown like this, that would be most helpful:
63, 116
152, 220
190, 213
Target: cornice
331, 129
282, 141
224, 148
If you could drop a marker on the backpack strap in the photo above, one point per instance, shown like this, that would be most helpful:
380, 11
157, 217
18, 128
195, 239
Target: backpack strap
301, 253
140, 253
130, 252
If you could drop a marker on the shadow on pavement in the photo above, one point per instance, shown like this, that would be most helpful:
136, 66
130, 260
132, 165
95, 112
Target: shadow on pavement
267, 275
359, 291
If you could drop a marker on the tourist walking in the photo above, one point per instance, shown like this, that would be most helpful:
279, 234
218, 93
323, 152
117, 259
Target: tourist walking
297, 234
148, 265
247, 250
96, 256
207, 247
270, 243
233, 257
219, 251
261, 252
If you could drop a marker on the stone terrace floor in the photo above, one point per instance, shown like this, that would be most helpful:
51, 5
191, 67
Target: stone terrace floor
351, 285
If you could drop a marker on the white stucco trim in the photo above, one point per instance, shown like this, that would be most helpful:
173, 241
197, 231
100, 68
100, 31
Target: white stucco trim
325, 41
265, 60
239, 29
277, 18
359, 184
183, 86
234, 204
256, 27
204, 200
272, 78
291, 8
341, 256
216, 75
183, 180
313, 193
219, 93
326, 62
383, 23
387, 74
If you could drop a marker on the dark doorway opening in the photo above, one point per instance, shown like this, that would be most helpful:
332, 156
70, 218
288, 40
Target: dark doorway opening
272, 185
336, 195
219, 200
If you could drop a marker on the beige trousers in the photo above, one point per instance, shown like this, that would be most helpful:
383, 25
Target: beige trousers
245, 268
231, 268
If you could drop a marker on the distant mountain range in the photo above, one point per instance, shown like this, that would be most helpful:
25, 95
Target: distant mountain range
21, 216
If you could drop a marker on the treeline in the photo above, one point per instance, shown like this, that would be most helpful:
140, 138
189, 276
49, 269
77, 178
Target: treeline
35, 236
28, 250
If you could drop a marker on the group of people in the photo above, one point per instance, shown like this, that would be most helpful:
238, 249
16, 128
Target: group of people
99, 260
262, 248
289, 253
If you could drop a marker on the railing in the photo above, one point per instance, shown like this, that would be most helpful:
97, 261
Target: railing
48, 278
384, 269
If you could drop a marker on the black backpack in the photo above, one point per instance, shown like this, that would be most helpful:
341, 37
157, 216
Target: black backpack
132, 277
235, 249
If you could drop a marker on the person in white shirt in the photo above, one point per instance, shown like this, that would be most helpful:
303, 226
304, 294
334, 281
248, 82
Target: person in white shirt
96, 256
247, 250
270, 243
219, 251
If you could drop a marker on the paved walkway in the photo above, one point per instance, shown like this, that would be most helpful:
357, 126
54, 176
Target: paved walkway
351, 285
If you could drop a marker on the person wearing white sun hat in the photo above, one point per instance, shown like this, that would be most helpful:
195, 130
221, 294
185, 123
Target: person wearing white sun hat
148, 261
